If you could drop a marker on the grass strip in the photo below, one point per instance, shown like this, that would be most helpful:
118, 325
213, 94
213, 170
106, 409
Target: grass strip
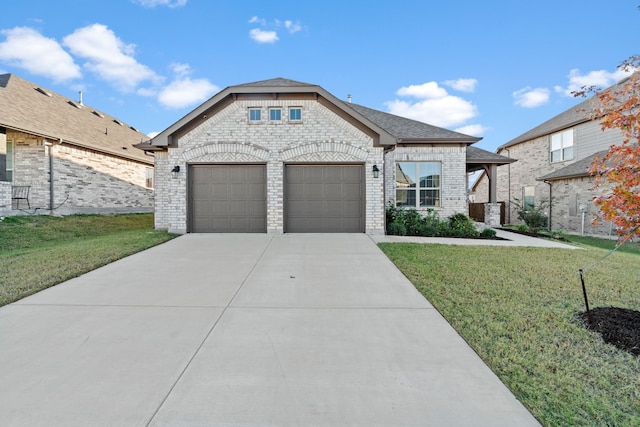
39, 252
516, 307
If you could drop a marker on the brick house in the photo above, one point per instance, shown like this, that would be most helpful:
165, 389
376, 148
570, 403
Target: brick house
554, 159
280, 156
88, 154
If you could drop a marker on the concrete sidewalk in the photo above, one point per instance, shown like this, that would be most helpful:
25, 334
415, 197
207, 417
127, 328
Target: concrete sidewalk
510, 239
252, 330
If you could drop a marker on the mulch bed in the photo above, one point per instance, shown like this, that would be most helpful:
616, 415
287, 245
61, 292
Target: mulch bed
618, 326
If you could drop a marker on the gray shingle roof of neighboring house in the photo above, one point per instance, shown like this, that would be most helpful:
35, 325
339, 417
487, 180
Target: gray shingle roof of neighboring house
575, 170
26, 107
571, 117
411, 130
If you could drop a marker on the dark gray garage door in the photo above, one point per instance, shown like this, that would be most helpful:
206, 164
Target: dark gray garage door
227, 199
324, 199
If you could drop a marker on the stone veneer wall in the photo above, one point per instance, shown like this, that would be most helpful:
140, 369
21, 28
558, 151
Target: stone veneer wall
321, 137
566, 215
453, 193
5, 196
533, 162
85, 181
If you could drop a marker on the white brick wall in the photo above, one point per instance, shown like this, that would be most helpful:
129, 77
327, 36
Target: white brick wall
5, 195
453, 159
84, 181
228, 137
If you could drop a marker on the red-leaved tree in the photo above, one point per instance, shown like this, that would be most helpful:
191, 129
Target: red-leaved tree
617, 174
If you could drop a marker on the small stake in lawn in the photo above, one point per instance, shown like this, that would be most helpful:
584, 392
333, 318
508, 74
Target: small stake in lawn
586, 300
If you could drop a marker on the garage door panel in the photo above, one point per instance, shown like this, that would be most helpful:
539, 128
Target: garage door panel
227, 198
352, 175
256, 209
324, 198
333, 191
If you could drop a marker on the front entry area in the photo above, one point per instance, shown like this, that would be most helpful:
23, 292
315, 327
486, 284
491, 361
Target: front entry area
227, 198
324, 198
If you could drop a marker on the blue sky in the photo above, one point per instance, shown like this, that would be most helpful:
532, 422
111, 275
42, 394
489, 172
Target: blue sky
493, 69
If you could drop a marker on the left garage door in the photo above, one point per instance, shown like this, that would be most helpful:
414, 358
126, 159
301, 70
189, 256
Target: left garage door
227, 199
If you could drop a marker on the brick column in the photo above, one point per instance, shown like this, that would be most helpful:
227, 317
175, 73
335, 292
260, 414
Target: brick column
492, 214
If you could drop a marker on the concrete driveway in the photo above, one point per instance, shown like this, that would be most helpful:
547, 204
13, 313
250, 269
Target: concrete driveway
243, 330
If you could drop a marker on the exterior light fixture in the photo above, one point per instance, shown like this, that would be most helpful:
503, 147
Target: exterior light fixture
376, 171
175, 171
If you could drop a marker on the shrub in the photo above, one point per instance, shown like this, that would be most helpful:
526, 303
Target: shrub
460, 225
410, 222
533, 215
396, 229
488, 233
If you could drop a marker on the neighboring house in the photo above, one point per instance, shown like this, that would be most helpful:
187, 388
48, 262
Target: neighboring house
554, 160
281, 156
71, 157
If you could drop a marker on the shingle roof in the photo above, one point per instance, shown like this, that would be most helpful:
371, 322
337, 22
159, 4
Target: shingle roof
403, 128
575, 170
277, 82
571, 117
26, 107
480, 156
390, 128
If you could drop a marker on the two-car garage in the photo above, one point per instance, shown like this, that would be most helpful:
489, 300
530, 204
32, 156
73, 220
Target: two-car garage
318, 198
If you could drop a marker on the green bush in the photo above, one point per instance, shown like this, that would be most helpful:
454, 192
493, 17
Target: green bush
534, 216
488, 233
460, 225
396, 229
410, 222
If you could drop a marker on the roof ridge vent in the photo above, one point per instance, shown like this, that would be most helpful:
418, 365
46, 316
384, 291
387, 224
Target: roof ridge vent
97, 113
42, 91
118, 122
78, 106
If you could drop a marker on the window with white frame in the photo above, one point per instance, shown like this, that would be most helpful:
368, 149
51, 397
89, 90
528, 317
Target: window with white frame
528, 197
275, 114
255, 115
295, 114
6, 157
149, 177
418, 184
562, 146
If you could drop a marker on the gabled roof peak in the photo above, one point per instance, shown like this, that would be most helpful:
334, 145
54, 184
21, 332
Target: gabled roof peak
275, 82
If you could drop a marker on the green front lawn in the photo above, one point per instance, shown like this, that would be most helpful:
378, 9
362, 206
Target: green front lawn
516, 307
37, 252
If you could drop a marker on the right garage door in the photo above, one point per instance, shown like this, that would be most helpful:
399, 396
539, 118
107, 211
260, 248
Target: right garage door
324, 199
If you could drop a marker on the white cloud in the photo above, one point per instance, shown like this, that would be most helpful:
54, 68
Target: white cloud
531, 98
154, 3
28, 49
262, 36
184, 91
425, 90
180, 70
292, 27
600, 79
462, 85
268, 33
257, 20
436, 106
108, 57
473, 130
153, 134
